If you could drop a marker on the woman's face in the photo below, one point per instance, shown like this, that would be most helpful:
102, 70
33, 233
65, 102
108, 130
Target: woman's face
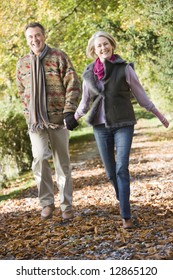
103, 48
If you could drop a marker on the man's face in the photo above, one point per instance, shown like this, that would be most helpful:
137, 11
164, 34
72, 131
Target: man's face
35, 39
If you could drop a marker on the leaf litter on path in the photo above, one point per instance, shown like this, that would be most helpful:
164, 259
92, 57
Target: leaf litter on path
96, 231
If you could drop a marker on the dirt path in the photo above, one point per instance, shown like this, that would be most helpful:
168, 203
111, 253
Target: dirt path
96, 231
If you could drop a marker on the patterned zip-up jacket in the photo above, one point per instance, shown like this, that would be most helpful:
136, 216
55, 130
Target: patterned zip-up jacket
62, 84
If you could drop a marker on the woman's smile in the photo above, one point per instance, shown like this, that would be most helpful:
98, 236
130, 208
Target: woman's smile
103, 48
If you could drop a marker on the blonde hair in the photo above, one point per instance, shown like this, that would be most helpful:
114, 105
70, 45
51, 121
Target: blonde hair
90, 50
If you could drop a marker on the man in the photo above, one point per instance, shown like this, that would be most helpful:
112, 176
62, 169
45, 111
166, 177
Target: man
49, 90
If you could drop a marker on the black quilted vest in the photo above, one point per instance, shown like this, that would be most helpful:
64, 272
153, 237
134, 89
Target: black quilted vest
116, 94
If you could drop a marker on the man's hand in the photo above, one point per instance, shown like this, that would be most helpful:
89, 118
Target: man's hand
70, 121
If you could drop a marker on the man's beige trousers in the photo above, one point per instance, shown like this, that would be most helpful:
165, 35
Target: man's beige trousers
53, 143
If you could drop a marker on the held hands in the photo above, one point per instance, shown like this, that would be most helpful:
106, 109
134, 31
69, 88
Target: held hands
70, 121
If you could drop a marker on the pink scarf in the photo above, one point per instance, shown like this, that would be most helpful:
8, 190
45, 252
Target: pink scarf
99, 68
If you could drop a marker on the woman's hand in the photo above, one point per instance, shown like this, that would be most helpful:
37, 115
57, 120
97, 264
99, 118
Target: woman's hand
162, 119
165, 122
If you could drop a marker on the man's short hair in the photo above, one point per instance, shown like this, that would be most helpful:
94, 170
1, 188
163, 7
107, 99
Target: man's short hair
35, 24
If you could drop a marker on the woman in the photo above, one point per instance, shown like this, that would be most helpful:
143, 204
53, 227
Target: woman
108, 82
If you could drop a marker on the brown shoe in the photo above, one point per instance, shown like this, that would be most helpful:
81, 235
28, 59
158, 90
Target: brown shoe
47, 211
127, 224
67, 214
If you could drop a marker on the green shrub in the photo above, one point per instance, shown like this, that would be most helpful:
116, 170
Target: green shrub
15, 142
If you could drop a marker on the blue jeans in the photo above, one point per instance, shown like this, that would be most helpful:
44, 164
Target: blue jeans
114, 146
